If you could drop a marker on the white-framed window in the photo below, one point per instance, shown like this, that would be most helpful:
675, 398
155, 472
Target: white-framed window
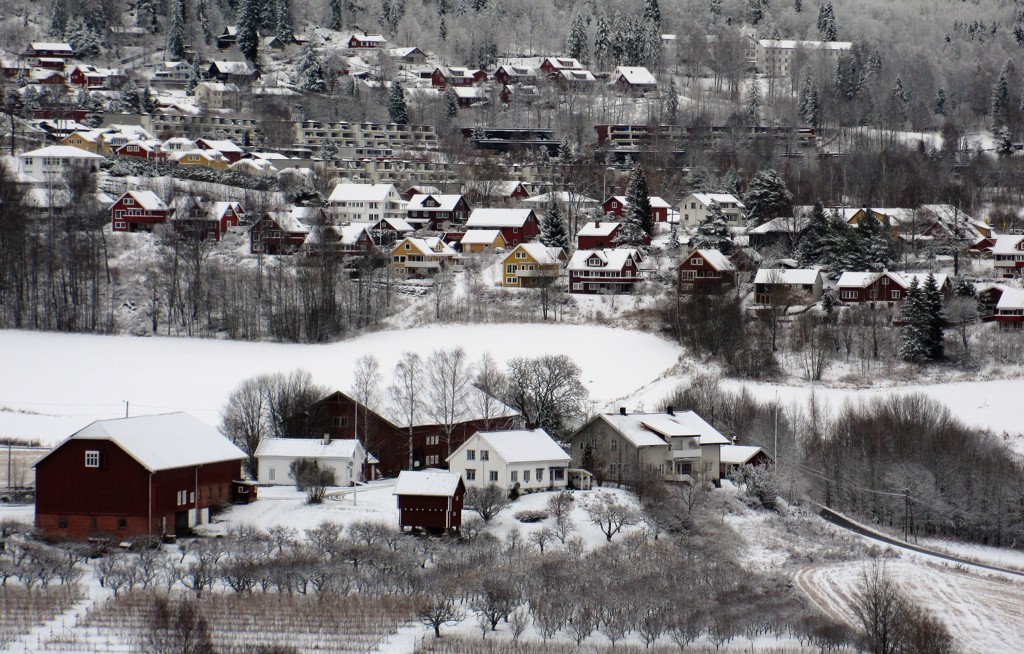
848, 295
510, 269
341, 421
120, 224
471, 455
192, 497
511, 280
540, 474
485, 455
129, 201
271, 474
92, 458
471, 474
514, 476
493, 476
895, 295
526, 476
697, 261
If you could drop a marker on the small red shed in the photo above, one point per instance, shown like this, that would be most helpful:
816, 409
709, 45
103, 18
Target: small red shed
430, 499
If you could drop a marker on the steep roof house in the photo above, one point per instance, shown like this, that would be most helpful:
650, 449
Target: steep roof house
436, 211
597, 235
133, 476
604, 271
1008, 255
530, 265
633, 80
345, 457
365, 41
458, 76
481, 240
799, 284
204, 219
705, 271
693, 209
508, 74
366, 202
138, 211
524, 460
280, 232
629, 448
430, 499
1010, 309
421, 257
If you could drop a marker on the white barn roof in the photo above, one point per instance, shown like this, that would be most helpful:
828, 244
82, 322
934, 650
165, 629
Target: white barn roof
427, 482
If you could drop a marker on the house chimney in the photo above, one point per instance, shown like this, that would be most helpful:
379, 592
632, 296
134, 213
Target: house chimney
327, 438
622, 410
670, 410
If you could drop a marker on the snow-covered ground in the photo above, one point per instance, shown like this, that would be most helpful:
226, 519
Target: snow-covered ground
70, 380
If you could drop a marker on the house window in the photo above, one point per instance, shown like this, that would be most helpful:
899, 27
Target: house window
92, 459
540, 474
471, 455
848, 295
485, 455
93, 522
493, 476
895, 295
471, 474
511, 280
129, 201
122, 523
120, 225
271, 474
614, 444
511, 268
192, 497
697, 261
683, 467
62, 522
558, 474
514, 476
341, 421
885, 281
526, 476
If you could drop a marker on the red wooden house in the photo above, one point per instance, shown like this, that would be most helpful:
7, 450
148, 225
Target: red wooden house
137, 211
516, 225
1008, 252
140, 150
366, 41
133, 476
604, 271
277, 232
512, 75
553, 65
456, 76
230, 151
386, 434
1010, 309
436, 211
857, 287
616, 206
597, 236
430, 500
705, 271
197, 217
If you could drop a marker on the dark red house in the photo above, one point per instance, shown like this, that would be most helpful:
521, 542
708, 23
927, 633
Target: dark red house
430, 500
516, 225
616, 206
366, 41
705, 271
134, 476
138, 211
437, 211
456, 76
597, 236
203, 219
140, 150
386, 434
277, 232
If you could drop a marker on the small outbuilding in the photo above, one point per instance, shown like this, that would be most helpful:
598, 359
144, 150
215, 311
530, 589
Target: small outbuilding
430, 499
734, 457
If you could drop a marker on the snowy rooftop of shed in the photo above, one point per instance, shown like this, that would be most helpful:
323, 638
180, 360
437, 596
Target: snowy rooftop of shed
427, 482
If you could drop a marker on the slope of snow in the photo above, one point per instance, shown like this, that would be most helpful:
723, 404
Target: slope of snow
74, 379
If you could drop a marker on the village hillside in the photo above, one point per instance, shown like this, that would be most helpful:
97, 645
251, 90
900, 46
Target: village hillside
429, 327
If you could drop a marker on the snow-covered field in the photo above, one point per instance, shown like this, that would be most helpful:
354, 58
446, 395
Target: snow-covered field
70, 380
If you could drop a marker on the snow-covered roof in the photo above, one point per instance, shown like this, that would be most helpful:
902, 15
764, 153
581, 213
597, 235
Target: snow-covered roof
148, 200
573, 75
163, 442
308, 448
738, 455
497, 188
565, 197
292, 221
786, 224
211, 155
61, 152
721, 198
52, 47
220, 145
605, 228
498, 218
480, 237
908, 278
857, 279
786, 44
611, 259
397, 224
433, 483
683, 423
524, 446
446, 202
790, 276
714, 257
349, 192
232, 67
1007, 244
542, 254
635, 76
350, 234
402, 52
1012, 298
429, 246
563, 63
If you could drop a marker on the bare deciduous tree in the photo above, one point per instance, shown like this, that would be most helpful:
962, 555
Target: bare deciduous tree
610, 515
448, 377
405, 392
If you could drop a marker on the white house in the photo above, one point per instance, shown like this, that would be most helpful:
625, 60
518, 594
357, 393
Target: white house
693, 209
527, 460
54, 160
366, 203
345, 456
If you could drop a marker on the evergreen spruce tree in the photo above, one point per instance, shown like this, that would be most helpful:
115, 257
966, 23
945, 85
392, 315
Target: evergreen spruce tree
95, 116
129, 98
813, 242
827, 22
652, 12
328, 150
767, 197
1000, 98
334, 20
876, 242
672, 102
82, 39
565, 153
849, 251
1004, 141
602, 41
754, 104
203, 18
58, 17
731, 183
194, 77
713, 232
715, 7
638, 201
248, 40
755, 12
912, 338
285, 31
552, 227
798, 6
700, 181
932, 320
576, 44
964, 287
20, 80
939, 106
451, 102
176, 31
398, 111
309, 70
147, 101
673, 237
631, 234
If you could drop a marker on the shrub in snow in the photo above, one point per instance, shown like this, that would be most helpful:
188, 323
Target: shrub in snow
531, 516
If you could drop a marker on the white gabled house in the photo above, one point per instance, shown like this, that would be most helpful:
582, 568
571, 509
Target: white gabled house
55, 160
344, 456
523, 459
693, 209
366, 203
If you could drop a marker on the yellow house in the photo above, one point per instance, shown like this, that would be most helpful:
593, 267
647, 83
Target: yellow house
482, 240
88, 141
420, 257
531, 265
205, 158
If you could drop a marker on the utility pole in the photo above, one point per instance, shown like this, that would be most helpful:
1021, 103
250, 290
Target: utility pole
906, 514
126, 408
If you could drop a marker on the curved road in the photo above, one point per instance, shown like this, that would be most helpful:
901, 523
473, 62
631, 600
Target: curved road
841, 520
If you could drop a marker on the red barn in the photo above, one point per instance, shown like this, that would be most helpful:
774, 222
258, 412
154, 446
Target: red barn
134, 476
430, 500
138, 211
